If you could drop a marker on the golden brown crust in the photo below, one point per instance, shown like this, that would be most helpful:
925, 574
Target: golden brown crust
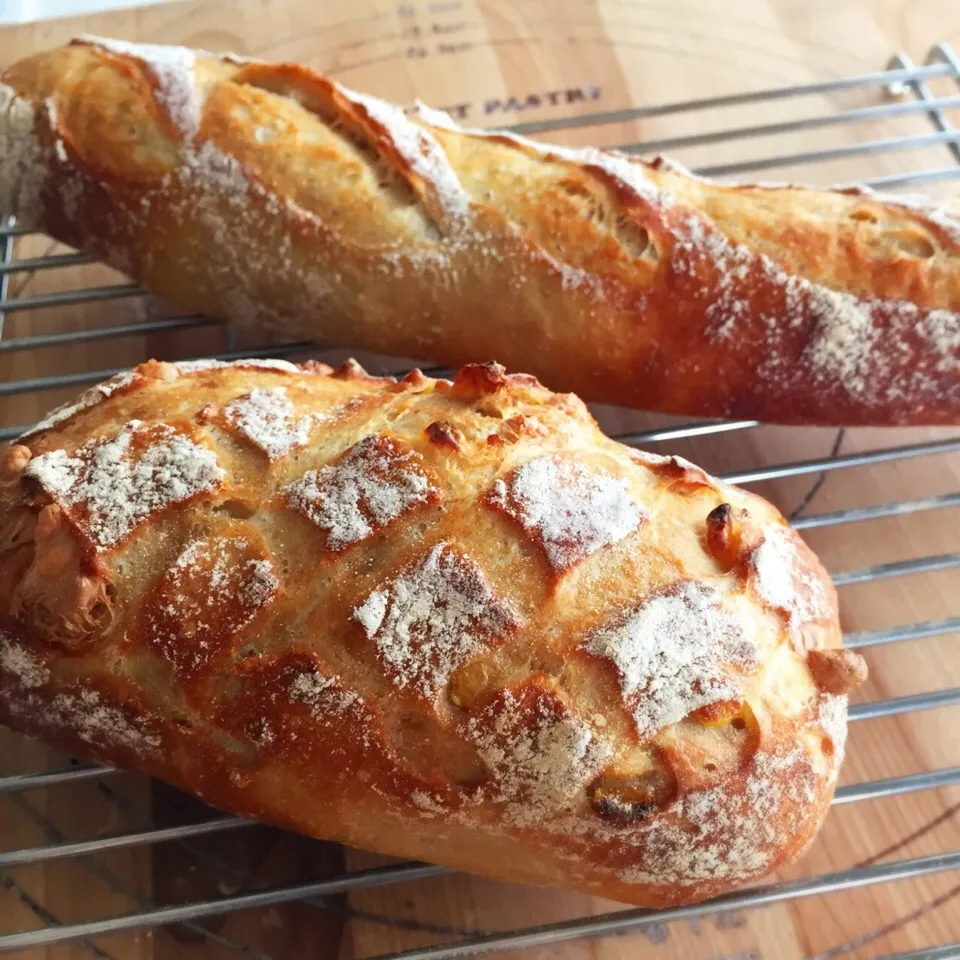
283, 589
270, 195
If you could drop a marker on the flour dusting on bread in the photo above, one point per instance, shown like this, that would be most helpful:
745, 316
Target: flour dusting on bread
253, 363
373, 484
845, 332
97, 722
539, 752
783, 583
325, 696
432, 618
942, 329
265, 416
112, 486
419, 148
84, 714
569, 510
172, 69
18, 662
728, 834
89, 398
229, 575
674, 653
832, 720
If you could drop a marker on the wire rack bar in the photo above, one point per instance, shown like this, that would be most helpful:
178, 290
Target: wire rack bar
358, 880
868, 148
898, 786
893, 181
898, 568
12, 229
167, 325
49, 262
618, 922
7, 254
69, 297
899, 705
52, 778
859, 514
882, 78
916, 631
685, 430
949, 952
929, 102
867, 458
62, 851
883, 111
944, 53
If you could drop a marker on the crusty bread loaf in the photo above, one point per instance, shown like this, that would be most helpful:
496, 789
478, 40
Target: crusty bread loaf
448, 621
271, 195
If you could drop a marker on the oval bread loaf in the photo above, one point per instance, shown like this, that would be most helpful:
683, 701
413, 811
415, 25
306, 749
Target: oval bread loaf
442, 620
270, 195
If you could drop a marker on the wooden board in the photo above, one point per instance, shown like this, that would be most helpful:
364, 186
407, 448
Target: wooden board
501, 62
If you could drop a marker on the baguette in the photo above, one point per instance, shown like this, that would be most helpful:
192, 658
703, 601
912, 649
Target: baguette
271, 195
442, 620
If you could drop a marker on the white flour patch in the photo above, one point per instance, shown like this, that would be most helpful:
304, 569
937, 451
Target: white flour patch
570, 511
782, 582
254, 363
428, 804
85, 715
540, 753
18, 662
325, 696
118, 484
858, 344
265, 416
436, 615
675, 652
376, 481
97, 723
845, 337
941, 328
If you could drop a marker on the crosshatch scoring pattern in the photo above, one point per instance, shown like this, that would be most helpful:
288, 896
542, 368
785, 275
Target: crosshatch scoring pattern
245, 867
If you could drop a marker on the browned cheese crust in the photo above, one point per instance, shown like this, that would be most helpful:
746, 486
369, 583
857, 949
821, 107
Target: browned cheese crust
443, 620
271, 195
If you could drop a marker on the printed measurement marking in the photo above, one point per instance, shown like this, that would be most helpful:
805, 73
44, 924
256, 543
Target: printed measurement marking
519, 103
448, 48
408, 10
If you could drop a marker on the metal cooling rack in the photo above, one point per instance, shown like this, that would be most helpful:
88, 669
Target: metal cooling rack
902, 90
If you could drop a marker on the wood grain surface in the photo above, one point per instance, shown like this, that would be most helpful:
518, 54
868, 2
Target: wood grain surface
494, 63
